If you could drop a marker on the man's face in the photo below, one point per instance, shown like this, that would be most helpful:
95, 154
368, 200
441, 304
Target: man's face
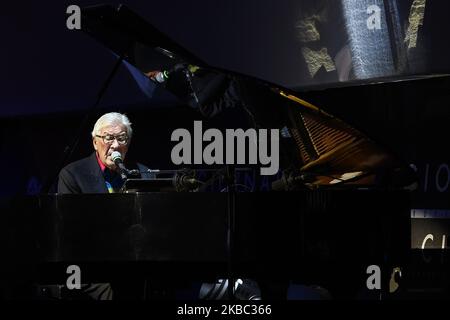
112, 135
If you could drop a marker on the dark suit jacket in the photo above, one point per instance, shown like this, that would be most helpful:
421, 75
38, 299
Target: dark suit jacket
85, 176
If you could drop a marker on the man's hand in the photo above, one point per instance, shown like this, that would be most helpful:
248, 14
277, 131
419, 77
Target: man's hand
152, 74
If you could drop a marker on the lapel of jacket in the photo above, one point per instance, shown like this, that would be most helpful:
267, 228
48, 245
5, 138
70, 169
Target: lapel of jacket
96, 176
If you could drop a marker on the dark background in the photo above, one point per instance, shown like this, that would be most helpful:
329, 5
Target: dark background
51, 76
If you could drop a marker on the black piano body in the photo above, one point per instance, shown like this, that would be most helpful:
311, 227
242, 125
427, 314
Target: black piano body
315, 237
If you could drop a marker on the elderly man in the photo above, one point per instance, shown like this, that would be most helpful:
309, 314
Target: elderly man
98, 173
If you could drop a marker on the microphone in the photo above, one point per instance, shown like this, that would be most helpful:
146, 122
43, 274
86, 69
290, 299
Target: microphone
184, 180
162, 76
117, 158
291, 180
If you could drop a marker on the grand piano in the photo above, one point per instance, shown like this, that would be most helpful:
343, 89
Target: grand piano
340, 204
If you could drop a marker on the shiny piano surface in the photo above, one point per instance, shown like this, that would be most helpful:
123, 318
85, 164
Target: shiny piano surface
293, 235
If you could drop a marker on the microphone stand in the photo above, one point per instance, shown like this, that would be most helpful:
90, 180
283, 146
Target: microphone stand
231, 214
188, 75
231, 202
123, 175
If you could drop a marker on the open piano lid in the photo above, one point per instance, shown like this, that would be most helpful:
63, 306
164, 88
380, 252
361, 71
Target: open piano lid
328, 152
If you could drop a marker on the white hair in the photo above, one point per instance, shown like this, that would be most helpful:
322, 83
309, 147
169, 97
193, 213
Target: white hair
112, 118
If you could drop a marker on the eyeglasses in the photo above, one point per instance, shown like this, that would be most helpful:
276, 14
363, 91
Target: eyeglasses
109, 138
